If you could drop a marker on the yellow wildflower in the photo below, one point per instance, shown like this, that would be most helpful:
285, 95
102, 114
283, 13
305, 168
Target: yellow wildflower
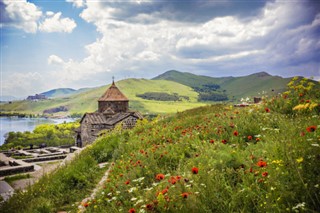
299, 160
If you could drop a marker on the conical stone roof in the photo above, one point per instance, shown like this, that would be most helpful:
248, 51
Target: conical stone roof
113, 94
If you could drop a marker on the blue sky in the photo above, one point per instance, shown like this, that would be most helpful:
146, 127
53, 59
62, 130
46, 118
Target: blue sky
82, 43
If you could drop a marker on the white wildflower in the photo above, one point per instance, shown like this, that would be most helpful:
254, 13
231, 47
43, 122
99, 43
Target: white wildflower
138, 180
299, 206
139, 201
132, 189
155, 184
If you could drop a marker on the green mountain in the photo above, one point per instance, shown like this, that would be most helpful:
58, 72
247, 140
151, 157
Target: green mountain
87, 101
234, 87
184, 90
60, 92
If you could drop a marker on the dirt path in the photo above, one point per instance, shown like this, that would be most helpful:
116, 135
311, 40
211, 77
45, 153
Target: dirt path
98, 187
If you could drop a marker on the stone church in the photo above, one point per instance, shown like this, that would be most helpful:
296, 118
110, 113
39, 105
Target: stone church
113, 108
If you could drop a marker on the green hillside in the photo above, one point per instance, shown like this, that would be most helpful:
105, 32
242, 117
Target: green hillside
87, 101
255, 85
173, 83
238, 87
209, 159
58, 92
190, 79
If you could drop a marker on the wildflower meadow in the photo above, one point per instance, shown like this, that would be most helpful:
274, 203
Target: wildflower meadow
218, 158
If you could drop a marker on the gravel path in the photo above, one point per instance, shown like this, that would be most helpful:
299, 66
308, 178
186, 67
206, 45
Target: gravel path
98, 187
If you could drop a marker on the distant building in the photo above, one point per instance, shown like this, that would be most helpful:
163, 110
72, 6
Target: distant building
113, 108
36, 97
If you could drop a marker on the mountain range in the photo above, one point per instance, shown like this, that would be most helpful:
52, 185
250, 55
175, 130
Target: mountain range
149, 95
61, 92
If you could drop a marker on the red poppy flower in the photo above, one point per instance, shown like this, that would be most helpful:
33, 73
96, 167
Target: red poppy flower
85, 204
311, 128
261, 163
127, 182
172, 180
236, 133
149, 207
185, 195
132, 210
249, 137
211, 141
224, 141
195, 170
164, 191
267, 109
160, 176
264, 174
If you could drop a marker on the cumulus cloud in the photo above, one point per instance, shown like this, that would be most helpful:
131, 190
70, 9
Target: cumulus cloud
205, 37
57, 24
20, 14
53, 59
26, 16
77, 3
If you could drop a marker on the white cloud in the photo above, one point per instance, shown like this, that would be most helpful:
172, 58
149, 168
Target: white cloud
77, 3
53, 59
22, 15
148, 42
49, 13
57, 24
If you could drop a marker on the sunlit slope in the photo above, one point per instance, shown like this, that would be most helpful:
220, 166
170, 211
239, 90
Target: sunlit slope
238, 87
87, 101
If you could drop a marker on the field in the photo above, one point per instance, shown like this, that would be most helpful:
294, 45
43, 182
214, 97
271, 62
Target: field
87, 101
170, 82
263, 158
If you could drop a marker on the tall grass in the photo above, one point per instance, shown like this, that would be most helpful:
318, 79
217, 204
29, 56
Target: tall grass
210, 159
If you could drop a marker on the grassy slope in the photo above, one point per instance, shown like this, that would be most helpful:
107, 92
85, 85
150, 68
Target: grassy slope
59, 92
190, 79
229, 178
239, 87
252, 85
87, 101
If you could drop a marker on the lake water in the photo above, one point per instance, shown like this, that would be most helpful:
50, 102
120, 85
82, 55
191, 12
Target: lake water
14, 124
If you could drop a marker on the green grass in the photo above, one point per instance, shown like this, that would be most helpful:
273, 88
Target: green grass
11, 179
238, 87
87, 101
249, 160
209, 159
